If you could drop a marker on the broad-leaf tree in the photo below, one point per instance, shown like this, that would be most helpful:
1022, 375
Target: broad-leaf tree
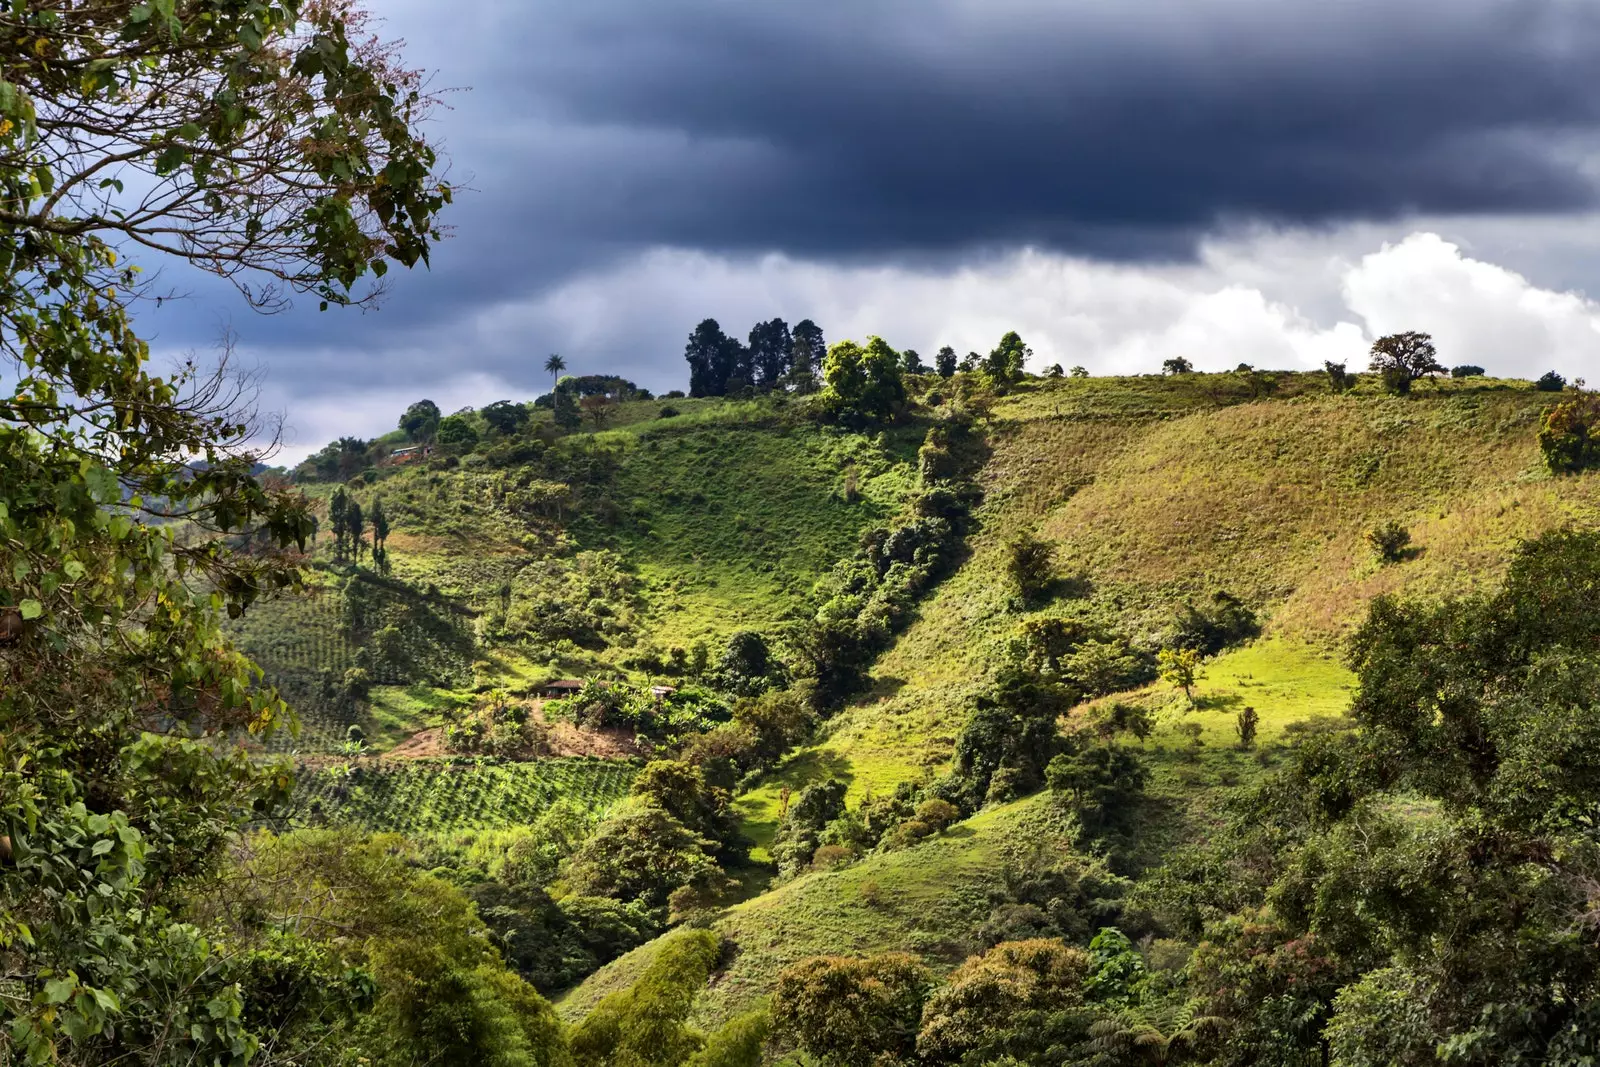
272, 143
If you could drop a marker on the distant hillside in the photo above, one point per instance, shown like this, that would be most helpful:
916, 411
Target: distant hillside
653, 540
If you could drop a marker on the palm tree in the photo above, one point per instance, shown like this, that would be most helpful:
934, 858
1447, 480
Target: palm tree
555, 365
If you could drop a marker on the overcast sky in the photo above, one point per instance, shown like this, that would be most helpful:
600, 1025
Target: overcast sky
1268, 181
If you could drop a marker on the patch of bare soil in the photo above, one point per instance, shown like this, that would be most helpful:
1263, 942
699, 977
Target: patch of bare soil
420, 745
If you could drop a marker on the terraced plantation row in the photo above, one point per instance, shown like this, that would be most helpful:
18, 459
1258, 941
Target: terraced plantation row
449, 794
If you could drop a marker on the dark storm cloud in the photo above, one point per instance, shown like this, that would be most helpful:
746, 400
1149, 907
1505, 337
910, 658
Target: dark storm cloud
914, 130
845, 127
839, 128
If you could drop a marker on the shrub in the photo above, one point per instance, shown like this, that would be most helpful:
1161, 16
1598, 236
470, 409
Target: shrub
1246, 724
1020, 1002
1177, 365
644, 1025
1569, 434
1389, 541
667, 412
852, 1012
1339, 379
1111, 719
828, 857
1029, 563
1550, 382
1466, 370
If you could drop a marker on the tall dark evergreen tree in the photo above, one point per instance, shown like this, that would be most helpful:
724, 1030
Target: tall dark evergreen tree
809, 343
356, 523
945, 362
380, 534
338, 516
705, 354
771, 349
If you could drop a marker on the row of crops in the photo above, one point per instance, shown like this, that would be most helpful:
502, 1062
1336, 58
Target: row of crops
306, 643
414, 796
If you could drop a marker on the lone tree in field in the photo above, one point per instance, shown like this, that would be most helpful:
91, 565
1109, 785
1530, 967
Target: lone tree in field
1402, 358
1180, 667
1177, 365
273, 144
1247, 722
1030, 565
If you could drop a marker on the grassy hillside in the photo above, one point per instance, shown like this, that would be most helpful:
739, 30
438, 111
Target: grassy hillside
1151, 499
1154, 491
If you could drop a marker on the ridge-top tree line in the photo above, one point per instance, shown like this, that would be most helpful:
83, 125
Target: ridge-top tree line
795, 360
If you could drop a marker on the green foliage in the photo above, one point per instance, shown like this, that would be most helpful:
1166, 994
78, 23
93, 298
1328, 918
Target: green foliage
555, 945
747, 666
1009, 737
432, 795
420, 422
1022, 999
1402, 358
1004, 364
861, 386
852, 1012
682, 792
1247, 723
1179, 667
644, 1025
124, 497
440, 989
671, 717
737, 1043
1177, 365
643, 853
1101, 783
1466, 370
800, 831
1340, 380
1569, 434
1030, 567
1550, 382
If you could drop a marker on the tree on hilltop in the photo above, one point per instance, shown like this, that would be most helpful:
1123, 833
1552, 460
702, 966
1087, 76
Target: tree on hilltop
863, 385
718, 364
1005, 363
945, 362
553, 366
421, 421
1402, 358
771, 350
